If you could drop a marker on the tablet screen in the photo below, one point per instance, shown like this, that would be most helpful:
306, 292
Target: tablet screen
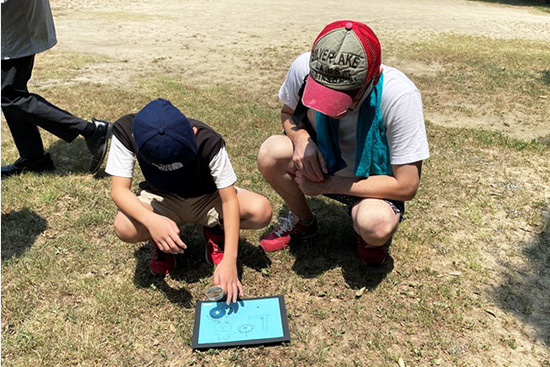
245, 322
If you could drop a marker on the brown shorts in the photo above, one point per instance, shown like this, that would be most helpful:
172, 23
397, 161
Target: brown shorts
204, 210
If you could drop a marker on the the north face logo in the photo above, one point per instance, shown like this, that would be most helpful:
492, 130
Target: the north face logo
168, 167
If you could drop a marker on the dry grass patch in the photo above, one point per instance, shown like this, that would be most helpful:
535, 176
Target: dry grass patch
475, 81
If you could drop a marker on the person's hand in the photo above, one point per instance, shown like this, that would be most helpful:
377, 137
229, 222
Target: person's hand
308, 160
308, 187
165, 233
226, 276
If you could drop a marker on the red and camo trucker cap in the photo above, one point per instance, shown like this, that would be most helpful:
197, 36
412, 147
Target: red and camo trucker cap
345, 56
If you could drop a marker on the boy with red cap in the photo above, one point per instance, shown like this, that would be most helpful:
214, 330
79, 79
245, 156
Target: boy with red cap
354, 131
188, 179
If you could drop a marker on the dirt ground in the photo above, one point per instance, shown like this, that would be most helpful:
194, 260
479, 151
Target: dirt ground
251, 43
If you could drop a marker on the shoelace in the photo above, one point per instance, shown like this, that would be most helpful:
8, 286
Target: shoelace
285, 224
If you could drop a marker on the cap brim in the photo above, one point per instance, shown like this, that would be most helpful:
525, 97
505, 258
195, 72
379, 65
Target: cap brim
325, 100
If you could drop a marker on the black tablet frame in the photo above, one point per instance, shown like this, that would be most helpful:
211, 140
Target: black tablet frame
268, 341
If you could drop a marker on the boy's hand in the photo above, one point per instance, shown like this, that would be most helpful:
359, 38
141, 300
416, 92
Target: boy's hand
308, 187
226, 276
165, 233
308, 160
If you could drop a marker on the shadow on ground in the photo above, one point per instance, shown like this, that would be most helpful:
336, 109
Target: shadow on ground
191, 266
334, 246
20, 229
70, 158
525, 291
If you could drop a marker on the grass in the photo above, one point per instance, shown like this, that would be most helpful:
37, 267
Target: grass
468, 264
477, 78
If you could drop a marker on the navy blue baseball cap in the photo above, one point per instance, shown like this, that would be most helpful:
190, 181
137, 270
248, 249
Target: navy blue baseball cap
166, 147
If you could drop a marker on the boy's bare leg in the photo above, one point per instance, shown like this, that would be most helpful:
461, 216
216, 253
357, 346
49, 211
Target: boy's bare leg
255, 214
275, 163
130, 230
255, 210
375, 221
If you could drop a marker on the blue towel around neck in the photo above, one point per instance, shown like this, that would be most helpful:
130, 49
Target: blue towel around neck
372, 156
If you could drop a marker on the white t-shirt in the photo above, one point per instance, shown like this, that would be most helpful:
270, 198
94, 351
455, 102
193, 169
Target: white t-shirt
121, 163
401, 107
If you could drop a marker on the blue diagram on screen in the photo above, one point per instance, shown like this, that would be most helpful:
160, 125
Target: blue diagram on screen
243, 320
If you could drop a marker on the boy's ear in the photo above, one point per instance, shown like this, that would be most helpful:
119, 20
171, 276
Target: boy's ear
195, 130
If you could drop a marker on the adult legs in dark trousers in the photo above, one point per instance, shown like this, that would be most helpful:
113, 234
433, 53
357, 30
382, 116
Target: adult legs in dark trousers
25, 111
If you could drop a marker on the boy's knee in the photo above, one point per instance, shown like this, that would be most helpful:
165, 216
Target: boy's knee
124, 229
260, 213
270, 153
376, 230
264, 158
265, 213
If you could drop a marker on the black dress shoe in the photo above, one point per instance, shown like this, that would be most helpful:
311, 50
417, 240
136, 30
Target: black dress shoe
97, 143
21, 165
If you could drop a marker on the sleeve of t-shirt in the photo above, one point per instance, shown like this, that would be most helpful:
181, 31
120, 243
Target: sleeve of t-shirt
222, 170
288, 93
405, 129
121, 160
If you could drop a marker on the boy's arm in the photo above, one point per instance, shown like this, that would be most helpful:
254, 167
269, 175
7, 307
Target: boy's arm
307, 158
225, 274
402, 186
163, 230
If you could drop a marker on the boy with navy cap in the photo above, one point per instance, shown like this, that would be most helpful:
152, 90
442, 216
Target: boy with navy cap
188, 179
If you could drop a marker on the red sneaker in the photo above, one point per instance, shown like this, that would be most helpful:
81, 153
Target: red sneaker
290, 226
214, 239
371, 255
161, 263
